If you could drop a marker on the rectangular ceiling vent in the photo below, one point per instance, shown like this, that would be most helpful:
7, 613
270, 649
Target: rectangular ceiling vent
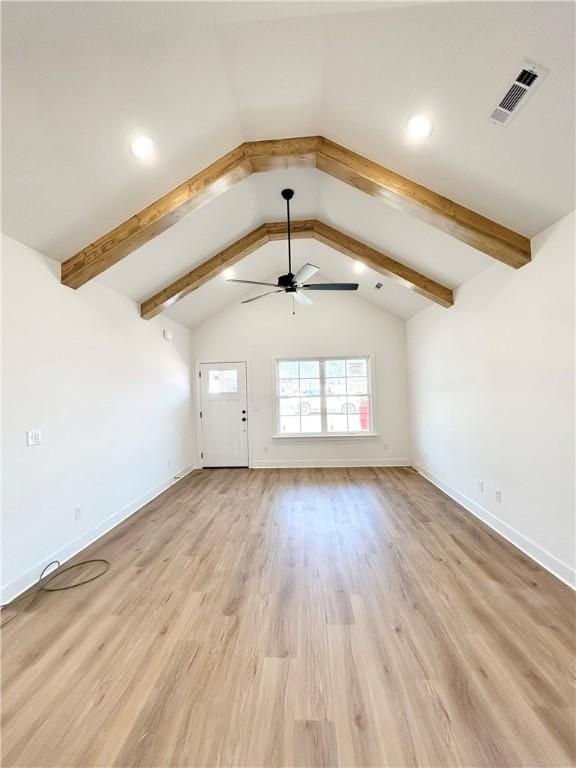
527, 80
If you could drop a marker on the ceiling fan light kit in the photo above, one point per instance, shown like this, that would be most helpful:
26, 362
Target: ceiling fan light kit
291, 283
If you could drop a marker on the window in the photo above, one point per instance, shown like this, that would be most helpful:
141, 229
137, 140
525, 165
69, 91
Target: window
324, 396
222, 382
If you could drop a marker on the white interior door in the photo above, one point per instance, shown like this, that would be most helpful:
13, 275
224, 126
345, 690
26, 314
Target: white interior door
224, 415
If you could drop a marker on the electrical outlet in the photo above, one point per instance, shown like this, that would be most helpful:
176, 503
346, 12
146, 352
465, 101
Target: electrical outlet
498, 495
77, 512
480, 486
33, 437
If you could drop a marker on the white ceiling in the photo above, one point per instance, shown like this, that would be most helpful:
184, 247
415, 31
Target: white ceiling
81, 78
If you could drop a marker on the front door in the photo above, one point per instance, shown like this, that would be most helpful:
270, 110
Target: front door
224, 415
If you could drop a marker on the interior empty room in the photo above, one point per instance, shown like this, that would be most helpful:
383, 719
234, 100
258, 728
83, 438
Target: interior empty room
288, 341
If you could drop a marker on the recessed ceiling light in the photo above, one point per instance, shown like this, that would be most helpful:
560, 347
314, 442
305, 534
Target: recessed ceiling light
419, 127
142, 147
228, 274
359, 267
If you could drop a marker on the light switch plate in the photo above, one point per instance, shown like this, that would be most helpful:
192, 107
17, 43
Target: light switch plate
33, 437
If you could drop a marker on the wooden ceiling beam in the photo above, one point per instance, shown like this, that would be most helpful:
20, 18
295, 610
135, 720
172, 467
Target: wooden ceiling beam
305, 152
310, 228
384, 265
204, 272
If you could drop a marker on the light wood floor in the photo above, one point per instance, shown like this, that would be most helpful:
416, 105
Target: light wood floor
296, 618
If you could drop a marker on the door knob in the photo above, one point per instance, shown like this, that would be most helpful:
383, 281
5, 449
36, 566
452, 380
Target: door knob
243, 418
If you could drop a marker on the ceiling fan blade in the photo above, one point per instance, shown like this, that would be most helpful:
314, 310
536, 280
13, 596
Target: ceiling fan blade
250, 282
301, 298
331, 287
268, 293
305, 273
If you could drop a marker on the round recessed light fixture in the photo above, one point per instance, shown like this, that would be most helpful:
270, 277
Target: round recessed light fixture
359, 267
228, 274
142, 147
419, 127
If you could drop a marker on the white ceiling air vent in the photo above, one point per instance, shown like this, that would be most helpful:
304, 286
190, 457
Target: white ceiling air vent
529, 77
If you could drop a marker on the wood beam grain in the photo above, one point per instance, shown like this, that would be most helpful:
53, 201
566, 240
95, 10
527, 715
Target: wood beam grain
202, 188
204, 272
384, 265
310, 228
308, 151
405, 195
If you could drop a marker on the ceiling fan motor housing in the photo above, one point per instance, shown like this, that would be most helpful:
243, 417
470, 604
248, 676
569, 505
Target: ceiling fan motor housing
287, 281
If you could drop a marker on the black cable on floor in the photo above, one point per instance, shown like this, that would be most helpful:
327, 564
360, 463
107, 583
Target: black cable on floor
44, 581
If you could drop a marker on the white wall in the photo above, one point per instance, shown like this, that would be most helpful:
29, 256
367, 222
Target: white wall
342, 324
492, 398
113, 401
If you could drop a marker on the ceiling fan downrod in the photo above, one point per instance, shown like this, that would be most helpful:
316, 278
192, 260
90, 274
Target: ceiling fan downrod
288, 194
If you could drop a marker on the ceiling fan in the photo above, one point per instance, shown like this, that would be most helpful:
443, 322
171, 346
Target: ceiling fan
295, 283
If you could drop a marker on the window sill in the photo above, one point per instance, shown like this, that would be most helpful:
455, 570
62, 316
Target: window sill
326, 436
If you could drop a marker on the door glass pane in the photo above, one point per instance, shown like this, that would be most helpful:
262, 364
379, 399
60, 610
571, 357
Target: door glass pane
290, 424
358, 386
230, 381
335, 368
355, 367
309, 369
288, 387
288, 369
222, 382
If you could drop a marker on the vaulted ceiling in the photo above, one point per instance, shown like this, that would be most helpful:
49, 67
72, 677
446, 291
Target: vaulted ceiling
80, 79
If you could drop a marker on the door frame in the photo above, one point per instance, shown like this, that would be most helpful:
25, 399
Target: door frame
197, 370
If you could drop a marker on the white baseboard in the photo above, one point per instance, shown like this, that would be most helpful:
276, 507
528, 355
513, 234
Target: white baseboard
30, 577
558, 568
326, 463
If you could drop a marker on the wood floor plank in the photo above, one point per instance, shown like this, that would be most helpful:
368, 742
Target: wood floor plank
313, 617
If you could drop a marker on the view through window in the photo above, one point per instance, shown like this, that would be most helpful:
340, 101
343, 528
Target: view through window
324, 396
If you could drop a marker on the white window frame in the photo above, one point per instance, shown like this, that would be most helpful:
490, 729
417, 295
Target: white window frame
324, 434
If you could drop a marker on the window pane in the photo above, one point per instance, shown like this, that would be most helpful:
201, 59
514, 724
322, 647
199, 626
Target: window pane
312, 423
289, 406
359, 420
337, 404
309, 387
358, 386
355, 367
290, 424
335, 386
335, 368
310, 405
288, 387
309, 369
337, 423
288, 369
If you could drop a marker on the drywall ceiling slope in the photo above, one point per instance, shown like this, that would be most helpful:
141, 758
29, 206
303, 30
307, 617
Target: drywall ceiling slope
270, 261
81, 78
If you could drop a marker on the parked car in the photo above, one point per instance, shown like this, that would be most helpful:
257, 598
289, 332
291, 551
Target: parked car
307, 407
